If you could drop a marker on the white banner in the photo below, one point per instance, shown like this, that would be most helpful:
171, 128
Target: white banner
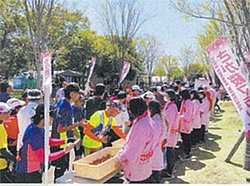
233, 80
47, 87
200, 83
90, 74
185, 80
47, 79
125, 70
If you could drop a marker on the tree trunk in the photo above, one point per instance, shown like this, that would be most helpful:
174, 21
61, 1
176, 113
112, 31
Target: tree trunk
39, 68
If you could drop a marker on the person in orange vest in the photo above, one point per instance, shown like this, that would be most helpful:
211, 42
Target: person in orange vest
11, 125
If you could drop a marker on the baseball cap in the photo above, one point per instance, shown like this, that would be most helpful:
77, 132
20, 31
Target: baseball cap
4, 107
135, 87
34, 94
115, 104
148, 95
13, 102
122, 95
40, 110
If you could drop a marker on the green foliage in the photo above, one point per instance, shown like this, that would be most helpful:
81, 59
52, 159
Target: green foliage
70, 41
14, 42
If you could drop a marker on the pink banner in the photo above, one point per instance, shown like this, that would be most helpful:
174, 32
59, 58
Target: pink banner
233, 80
47, 79
125, 70
185, 80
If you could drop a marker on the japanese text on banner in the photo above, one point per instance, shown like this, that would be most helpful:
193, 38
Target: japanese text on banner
232, 78
47, 79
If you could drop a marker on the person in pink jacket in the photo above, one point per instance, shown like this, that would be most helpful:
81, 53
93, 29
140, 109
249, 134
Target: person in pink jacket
159, 135
171, 115
185, 123
196, 122
136, 155
204, 115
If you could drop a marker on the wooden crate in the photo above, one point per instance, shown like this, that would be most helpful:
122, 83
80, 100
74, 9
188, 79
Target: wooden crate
96, 172
118, 143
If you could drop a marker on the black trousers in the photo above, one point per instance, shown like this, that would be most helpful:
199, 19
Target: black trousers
156, 176
34, 177
12, 149
216, 104
61, 164
148, 180
195, 136
202, 133
186, 143
171, 159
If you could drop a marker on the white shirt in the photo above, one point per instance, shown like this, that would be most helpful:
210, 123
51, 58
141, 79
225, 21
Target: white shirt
60, 94
24, 121
122, 118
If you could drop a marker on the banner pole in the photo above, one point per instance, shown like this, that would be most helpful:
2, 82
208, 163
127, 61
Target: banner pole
46, 117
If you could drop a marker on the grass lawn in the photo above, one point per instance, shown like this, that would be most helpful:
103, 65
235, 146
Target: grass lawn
208, 165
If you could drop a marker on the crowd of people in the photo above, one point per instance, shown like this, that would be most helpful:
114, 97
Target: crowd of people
152, 122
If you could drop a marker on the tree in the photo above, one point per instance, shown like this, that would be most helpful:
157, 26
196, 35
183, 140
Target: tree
169, 64
149, 49
39, 15
121, 20
188, 56
14, 43
235, 17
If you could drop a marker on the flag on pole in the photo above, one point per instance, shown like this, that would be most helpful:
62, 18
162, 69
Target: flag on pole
235, 83
47, 79
87, 89
185, 80
125, 70
47, 87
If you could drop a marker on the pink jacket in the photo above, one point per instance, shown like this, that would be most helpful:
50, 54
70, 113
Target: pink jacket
138, 150
205, 111
186, 115
196, 116
171, 114
159, 135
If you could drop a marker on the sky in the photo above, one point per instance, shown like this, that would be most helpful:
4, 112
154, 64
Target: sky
168, 26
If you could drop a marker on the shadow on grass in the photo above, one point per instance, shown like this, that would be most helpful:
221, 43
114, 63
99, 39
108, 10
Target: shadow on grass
210, 142
183, 166
203, 154
177, 181
216, 119
215, 128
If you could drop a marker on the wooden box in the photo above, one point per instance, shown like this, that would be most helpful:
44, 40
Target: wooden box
83, 168
118, 143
